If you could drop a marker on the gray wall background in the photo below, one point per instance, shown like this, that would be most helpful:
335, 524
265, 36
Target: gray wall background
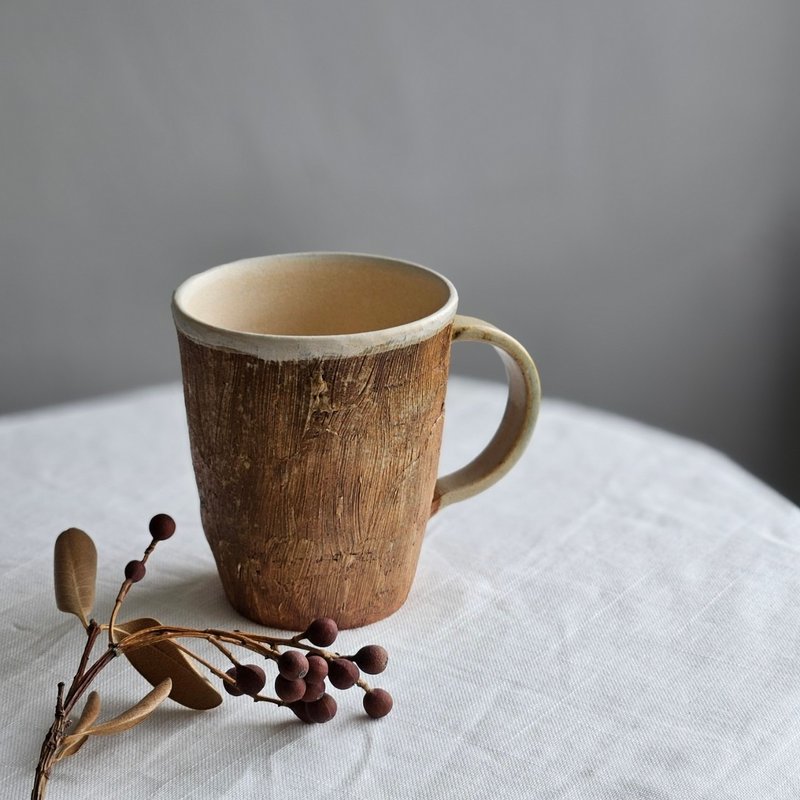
616, 184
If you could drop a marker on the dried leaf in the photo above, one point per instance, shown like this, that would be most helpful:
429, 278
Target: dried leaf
77, 738
135, 714
71, 746
75, 565
89, 714
165, 660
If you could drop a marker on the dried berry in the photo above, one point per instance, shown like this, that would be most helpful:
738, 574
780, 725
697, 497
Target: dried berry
317, 668
231, 688
322, 632
378, 703
372, 659
250, 678
289, 691
135, 571
300, 710
292, 665
313, 691
342, 673
322, 710
162, 526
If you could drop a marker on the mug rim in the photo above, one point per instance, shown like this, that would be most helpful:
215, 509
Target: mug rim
298, 347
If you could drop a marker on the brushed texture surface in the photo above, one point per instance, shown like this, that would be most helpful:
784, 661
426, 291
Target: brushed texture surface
316, 477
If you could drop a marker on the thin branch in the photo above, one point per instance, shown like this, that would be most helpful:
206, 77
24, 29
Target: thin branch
200, 660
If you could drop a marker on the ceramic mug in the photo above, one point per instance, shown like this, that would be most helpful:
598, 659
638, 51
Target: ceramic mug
314, 387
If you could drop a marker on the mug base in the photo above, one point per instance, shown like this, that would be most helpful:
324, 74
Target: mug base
295, 621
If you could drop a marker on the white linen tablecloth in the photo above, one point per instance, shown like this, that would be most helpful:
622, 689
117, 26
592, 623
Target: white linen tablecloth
617, 618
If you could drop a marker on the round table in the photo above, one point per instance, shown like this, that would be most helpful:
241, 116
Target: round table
617, 618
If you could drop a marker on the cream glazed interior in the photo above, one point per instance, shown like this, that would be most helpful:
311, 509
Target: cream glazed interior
312, 305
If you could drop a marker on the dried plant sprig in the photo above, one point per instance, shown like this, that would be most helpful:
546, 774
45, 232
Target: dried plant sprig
304, 663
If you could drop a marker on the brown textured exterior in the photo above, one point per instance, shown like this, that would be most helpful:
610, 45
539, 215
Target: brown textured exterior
316, 478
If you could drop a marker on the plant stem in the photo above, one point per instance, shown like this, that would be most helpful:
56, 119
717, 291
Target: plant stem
64, 705
224, 650
209, 666
50, 745
92, 632
123, 593
159, 633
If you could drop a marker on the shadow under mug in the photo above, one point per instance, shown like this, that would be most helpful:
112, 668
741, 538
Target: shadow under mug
315, 387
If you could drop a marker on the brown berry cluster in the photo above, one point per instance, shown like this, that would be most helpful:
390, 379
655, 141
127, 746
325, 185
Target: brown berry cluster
301, 680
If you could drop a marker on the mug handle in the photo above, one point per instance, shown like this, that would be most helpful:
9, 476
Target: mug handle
516, 427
